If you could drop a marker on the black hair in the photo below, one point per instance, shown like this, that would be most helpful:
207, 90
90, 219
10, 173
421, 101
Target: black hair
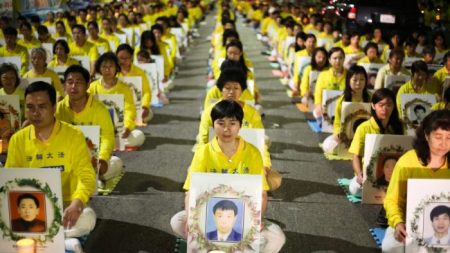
10, 31
440, 34
42, 29
26, 24
299, 35
354, 70
158, 27
94, 24
410, 41
429, 50
108, 56
314, 64
394, 121
438, 210
125, 47
370, 45
225, 205
447, 96
8, 67
239, 45
397, 52
419, 66
77, 69
27, 196
227, 109
232, 74
310, 36
439, 119
446, 57
419, 107
64, 44
358, 122
227, 34
81, 27
42, 86
334, 50
148, 35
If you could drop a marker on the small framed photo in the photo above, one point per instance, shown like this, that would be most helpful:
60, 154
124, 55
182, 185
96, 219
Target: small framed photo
394, 82
115, 104
27, 211
352, 115
428, 215
329, 99
414, 109
224, 219
372, 71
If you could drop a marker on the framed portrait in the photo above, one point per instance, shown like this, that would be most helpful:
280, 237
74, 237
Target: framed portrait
372, 71
325, 42
414, 109
10, 118
115, 105
135, 84
352, 59
180, 34
329, 99
152, 75
15, 60
394, 82
303, 61
31, 207
352, 115
225, 212
408, 61
49, 50
159, 61
381, 152
84, 61
92, 136
428, 215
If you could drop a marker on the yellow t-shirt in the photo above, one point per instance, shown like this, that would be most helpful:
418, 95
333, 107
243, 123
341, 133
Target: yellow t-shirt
301, 53
34, 43
439, 106
72, 158
408, 166
146, 86
304, 84
101, 42
215, 94
70, 61
365, 59
18, 92
440, 76
88, 49
111, 38
96, 87
328, 81
56, 82
210, 158
385, 71
94, 113
18, 51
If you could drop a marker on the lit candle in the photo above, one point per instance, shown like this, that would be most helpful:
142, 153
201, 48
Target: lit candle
25, 246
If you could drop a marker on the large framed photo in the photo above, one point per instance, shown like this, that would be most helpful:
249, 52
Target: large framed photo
372, 71
393, 82
414, 109
381, 153
31, 207
92, 136
428, 215
135, 84
10, 118
329, 99
352, 115
224, 212
115, 105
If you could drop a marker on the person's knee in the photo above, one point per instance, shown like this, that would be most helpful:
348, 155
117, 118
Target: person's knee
115, 168
354, 188
329, 144
178, 222
85, 224
136, 138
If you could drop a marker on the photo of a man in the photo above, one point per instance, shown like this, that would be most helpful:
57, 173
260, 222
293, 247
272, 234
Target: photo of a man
28, 208
225, 216
419, 112
440, 222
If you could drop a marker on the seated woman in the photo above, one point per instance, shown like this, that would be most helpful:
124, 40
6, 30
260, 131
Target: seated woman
384, 120
355, 91
108, 67
371, 54
394, 67
9, 82
125, 55
319, 63
38, 61
61, 55
429, 159
331, 79
228, 151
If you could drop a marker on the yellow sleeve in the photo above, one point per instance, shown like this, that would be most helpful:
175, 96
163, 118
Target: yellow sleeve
93, 54
215, 68
130, 109
395, 199
82, 169
197, 165
267, 161
57, 84
211, 94
337, 116
398, 100
15, 159
357, 146
296, 70
320, 86
379, 80
25, 60
257, 167
205, 124
106, 133
304, 84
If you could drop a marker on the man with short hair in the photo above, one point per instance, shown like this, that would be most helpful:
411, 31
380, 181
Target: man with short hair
225, 215
12, 48
440, 221
81, 46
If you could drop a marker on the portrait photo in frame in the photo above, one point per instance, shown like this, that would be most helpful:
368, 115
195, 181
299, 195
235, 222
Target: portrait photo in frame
329, 99
10, 118
381, 151
208, 189
393, 82
31, 187
422, 208
352, 115
92, 136
115, 104
414, 109
135, 84
224, 214
372, 71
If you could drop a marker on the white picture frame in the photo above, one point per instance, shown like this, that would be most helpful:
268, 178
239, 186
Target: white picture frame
135, 84
414, 107
115, 104
352, 115
329, 99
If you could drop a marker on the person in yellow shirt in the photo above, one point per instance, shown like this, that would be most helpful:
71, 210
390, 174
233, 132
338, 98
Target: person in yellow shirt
384, 120
61, 32
50, 19
418, 84
61, 57
164, 48
444, 104
440, 76
331, 79
80, 108
149, 44
310, 44
100, 42
28, 41
81, 46
167, 37
371, 54
355, 91
319, 63
38, 61
39, 146
11, 48
108, 67
429, 159
108, 34
228, 153
394, 67
354, 52
440, 45
44, 35
127, 68
9, 83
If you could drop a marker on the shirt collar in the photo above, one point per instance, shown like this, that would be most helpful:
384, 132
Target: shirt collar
55, 130
216, 148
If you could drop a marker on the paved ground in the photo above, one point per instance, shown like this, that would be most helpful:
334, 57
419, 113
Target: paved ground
310, 206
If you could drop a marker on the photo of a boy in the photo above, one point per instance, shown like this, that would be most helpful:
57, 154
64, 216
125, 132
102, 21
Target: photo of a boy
225, 215
28, 208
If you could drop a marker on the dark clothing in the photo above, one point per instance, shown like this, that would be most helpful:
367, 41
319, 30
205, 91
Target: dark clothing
35, 226
233, 237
